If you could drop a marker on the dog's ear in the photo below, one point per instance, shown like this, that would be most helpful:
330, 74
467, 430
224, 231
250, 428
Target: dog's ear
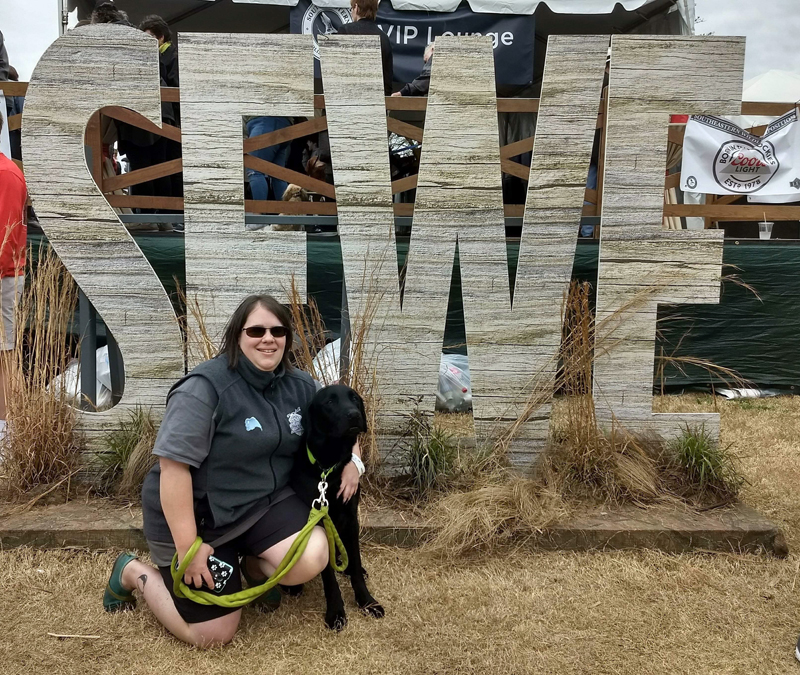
360, 404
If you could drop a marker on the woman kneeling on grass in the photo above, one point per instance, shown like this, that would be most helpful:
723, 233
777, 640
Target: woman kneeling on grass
226, 446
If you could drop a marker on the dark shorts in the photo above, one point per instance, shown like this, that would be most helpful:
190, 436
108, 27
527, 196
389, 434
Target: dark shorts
281, 521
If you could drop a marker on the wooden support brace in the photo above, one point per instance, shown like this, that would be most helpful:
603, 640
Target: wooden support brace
404, 129
142, 175
312, 126
136, 120
301, 179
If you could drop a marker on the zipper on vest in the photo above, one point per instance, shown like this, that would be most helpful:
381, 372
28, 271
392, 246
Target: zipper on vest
280, 442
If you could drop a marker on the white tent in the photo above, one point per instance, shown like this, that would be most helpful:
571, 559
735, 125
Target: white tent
774, 86
552, 16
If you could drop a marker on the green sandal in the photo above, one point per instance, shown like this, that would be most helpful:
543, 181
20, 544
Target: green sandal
116, 598
266, 603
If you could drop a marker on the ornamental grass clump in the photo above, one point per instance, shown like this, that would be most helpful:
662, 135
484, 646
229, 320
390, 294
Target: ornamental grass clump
583, 463
431, 458
198, 344
711, 470
41, 446
129, 455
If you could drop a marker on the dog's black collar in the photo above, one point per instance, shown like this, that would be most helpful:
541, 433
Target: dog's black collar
313, 460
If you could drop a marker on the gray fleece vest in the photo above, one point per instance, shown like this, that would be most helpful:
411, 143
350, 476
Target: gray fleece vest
258, 431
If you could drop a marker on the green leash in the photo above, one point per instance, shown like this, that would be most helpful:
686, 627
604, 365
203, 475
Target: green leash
319, 512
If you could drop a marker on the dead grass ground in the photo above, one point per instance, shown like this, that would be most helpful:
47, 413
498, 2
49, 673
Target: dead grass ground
521, 612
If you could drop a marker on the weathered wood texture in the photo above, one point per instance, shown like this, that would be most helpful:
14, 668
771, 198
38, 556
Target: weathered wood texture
565, 131
642, 265
459, 201
268, 75
357, 128
84, 231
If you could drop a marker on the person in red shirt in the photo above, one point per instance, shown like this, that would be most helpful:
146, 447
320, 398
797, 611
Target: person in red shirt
13, 239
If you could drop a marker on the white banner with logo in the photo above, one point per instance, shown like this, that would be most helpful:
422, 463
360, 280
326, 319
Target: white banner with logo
720, 158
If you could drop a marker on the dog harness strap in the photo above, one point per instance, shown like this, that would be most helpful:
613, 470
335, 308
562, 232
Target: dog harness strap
313, 461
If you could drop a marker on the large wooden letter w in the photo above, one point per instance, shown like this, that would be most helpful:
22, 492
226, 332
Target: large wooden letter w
512, 351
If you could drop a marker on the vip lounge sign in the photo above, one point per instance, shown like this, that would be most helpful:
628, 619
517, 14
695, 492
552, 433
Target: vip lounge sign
410, 32
720, 158
513, 348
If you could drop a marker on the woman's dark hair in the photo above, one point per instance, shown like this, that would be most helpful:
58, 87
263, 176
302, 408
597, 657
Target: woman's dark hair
157, 26
108, 12
230, 339
367, 9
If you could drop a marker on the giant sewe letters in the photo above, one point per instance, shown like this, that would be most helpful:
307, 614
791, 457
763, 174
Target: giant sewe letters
512, 346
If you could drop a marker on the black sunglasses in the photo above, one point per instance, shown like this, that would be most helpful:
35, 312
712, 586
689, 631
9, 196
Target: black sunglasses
261, 331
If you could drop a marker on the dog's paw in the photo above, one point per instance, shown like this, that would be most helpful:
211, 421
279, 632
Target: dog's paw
374, 609
336, 620
293, 591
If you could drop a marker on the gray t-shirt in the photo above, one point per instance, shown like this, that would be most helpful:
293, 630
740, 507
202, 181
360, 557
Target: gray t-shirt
188, 425
185, 436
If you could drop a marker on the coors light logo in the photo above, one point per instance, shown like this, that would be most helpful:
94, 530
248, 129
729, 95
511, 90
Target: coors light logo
744, 163
742, 166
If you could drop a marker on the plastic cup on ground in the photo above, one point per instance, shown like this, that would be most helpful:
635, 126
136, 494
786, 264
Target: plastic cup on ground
765, 229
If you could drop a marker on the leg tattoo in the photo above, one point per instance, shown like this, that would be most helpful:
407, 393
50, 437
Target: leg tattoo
143, 581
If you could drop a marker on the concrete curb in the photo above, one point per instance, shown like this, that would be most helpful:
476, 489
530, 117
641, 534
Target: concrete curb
737, 529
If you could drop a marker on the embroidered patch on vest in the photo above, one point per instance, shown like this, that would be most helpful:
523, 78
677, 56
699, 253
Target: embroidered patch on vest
252, 423
296, 422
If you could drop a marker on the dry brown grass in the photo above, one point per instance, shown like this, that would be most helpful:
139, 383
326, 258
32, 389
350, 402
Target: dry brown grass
519, 612
42, 446
198, 343
580, 458
582, 464
360, 374
525, 613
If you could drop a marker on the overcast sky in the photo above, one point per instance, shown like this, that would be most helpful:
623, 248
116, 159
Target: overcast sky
772, 28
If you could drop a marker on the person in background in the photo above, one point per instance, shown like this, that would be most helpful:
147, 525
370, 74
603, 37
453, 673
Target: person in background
13, 230
14, 106
263, 186
364, 13
108, 12
142, 148
422, 83
3, 59
168, 53
168, 64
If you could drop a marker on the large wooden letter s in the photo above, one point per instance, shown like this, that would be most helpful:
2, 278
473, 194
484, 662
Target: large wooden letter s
87, 69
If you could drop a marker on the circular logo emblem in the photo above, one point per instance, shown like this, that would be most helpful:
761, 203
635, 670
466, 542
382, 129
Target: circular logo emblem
742, 167
318, 21
691, 182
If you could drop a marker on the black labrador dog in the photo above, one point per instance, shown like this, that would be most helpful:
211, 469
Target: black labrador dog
335, 418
